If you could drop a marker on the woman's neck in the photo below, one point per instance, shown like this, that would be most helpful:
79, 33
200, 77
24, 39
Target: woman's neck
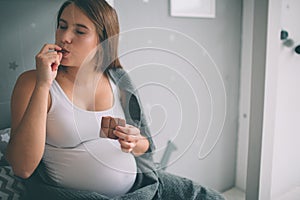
82, 76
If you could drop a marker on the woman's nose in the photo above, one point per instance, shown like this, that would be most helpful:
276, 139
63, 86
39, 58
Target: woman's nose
66, 36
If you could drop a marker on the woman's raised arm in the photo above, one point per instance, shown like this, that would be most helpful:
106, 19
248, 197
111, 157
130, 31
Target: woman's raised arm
29, 106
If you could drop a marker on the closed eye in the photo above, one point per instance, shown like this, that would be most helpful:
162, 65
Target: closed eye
62, 27
80, 32
62, 24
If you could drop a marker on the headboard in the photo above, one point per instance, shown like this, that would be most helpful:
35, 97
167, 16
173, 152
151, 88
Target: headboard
23, 34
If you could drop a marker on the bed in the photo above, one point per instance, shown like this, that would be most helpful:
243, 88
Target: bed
11, 187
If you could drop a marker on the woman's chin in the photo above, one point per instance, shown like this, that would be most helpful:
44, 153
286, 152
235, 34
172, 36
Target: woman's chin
66, 64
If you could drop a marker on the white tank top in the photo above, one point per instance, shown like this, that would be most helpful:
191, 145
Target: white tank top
75, 155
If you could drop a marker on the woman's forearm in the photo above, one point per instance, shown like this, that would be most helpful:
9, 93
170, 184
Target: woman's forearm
27, 142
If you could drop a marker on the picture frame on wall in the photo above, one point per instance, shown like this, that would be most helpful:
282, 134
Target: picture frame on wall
193, 8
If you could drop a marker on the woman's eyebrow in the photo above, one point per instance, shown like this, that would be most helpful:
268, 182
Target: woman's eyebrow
62, 20
80, 25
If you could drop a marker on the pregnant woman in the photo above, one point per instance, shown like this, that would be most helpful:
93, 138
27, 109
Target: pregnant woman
56, 109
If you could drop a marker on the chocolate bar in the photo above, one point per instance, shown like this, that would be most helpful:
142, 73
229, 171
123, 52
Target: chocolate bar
108, 125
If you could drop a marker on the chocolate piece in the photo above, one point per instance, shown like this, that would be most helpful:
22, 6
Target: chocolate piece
108, 125
121, 122
111, 135
104, 132
105, 122
113, 123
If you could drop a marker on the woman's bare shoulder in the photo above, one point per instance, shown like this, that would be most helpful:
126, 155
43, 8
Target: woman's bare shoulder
27, 79
28, 76
26, 82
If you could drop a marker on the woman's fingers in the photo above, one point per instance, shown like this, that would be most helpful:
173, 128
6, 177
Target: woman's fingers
127, 142
122, 135
48, 47
125, 136
128, 129
47, 63
48, 59
56, 63
128, 137
124, 129
126, 146
59, 56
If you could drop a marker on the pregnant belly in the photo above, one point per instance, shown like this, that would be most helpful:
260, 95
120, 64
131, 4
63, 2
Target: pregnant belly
98, 165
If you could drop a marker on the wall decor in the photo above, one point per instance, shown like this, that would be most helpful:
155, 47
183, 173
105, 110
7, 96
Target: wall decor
193, 8
110, 2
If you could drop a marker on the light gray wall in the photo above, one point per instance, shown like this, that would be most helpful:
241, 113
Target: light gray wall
25, 27
192, 63
221, 38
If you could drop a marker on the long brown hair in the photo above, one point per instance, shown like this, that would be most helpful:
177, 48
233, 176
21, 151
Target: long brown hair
106, 22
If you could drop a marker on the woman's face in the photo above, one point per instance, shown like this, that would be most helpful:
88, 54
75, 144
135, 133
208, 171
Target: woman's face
77, 35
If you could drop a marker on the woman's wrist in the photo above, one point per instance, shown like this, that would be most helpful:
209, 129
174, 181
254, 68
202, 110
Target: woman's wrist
43, 85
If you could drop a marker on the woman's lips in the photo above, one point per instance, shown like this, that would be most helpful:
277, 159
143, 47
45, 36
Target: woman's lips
64, 52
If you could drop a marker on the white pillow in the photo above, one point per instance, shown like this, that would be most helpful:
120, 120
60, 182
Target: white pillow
4, 139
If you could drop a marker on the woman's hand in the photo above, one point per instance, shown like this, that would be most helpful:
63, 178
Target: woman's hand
47, 62
131, 140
